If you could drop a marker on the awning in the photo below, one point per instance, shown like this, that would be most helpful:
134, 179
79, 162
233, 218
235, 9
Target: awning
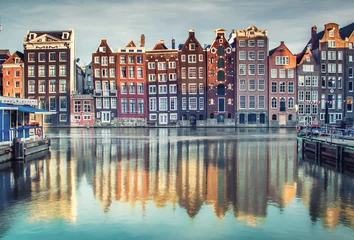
4, 106
30, 109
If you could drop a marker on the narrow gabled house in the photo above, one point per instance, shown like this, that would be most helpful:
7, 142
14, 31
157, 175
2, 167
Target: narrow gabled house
252, 77
105, 84
162, 72
13, 77
191, 86
282, 95
50, 70
307, 74
4, 55
220, 81
132, 84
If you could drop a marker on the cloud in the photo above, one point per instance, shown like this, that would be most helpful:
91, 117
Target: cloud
124, 20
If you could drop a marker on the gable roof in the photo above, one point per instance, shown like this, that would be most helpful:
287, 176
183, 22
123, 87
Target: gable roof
55, 34
160, 45
282, 44
17, 54
131, 44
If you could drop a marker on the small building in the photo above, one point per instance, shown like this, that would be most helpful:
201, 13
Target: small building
282, 95
4, 55
82, 110
13, 77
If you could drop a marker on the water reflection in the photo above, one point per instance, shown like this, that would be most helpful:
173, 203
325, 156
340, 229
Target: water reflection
239, 172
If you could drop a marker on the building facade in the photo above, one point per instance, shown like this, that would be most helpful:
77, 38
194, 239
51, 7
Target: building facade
282, 94
13, 76
192, 86
50, 72
307, 100
132, 84
82, 110
88, 80
105, 84
162, 72
220, 81
252, 77
4, 55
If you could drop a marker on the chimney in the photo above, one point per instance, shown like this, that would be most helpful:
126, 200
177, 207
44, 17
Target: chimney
142, 40
173, 43
104, 41
314, 37
191, 32
281, 42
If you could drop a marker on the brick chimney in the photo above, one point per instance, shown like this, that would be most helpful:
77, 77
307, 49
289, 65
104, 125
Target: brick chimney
142, 40
191, 32
314, 40
173, 43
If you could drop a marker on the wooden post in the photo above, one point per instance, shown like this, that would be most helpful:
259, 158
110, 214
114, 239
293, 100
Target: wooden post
341, 160
302, 149
319, 153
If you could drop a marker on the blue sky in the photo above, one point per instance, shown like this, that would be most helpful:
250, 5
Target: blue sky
123, 20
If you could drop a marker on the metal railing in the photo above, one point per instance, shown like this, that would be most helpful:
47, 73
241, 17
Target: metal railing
25, 132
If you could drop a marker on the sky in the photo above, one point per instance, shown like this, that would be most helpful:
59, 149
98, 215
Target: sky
120, 21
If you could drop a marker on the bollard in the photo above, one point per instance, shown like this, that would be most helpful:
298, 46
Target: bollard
18, 149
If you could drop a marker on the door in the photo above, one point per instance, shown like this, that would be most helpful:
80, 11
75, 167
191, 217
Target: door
282, 119
242, 118
221, 104
252, 118
282, 104
262, 118
163, 118
221, 118
192, 120
106, 116
332, 118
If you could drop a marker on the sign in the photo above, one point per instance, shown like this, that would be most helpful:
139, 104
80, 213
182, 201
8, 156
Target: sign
19, 101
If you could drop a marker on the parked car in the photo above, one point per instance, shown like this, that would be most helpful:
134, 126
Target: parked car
309, 132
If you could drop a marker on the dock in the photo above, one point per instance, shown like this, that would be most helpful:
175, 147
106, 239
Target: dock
336, 153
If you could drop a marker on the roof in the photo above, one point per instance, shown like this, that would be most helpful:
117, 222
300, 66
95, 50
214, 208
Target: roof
11, 60
346, 31
4, 51
233, 44
160, 45
4, 106
272, 51
4, 55
180, 46
207, 47
30, 109
58, 34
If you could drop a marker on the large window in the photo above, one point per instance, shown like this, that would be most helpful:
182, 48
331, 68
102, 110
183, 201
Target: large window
252, 102
52, 71
31, 86
173, 103
252, 85
123, 59
140, 106
123, 72
274, 73
282, 87
260, 55
132, 105
77, 106
242, 55
261, 85
261, 69
274, 87
124, 103
52, 86
291, 87
152, 104
192, 72
62, 70
52, 104
163, 105
31, 71
242, 85
41, 71
282, 60
274, 103
63, 103
42, 86
251, 55
251, 69
192, 103
242, 69
261, 102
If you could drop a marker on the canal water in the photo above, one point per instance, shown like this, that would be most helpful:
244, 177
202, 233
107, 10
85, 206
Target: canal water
174, 184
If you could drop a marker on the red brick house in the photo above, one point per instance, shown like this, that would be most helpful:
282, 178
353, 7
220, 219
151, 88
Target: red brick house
82, 110
252, 77
220, 81
132, 84
282, 87
13, 76
162, 72
105, 84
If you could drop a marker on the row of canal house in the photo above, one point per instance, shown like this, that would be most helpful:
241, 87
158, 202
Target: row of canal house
234, 81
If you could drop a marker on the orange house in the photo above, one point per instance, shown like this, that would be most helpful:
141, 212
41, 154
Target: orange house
13, 76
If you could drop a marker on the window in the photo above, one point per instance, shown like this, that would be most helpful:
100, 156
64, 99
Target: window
339, 101
105, 103
172, 65
242, 55
331, 68
307, 109
307, 95
192, 72
323, 82
192, 103
200, 57
308, 81
62, 70
340, 68
152, 104
315, 81
274, 73
251, 55
251, 43
140, 88
41, 71
152, 77
123, 59
163, 77
139, 59
31, 71
162, 65
31, 57
31, 86
314, 109
184, 103
201, 88
242, 85
301, 96
242, 102
17, 84
282, 60
111, 59
62, 57
62, 87
251, 69
87, 106
307, 68
242, 69
77, 106
350, 87
350, 72
97, 60
261, 102
184, 88
132, 105
323, 101
41, 86
192, 88
282, 87
323, 55
274, 87
212, 73
151, 65
339, 83
252, 85
331, 100
349, 104
261, 55
52, 86
123, 88
163, 105
183, 73
183, 58
242, 43
112, 72
152, 89
221, 63
331, 44
331, 82
41, 57
221, 76
132, 88
140, 73
274, 103
104, 61
173, 89
260, 43
350, 58
172, 77
62, 104
201, 103
140, 106
131, 72
291, 87
221, 51
130, 59
282, 73
291, 73
261, 69
52, 104
97, 73
323, 68
52, 71
104, 72
201, 72
331, 55
291, 103
192, 46
173, 103
192, 58
124, 103
261, 85
252, 102
301, 109
163, 89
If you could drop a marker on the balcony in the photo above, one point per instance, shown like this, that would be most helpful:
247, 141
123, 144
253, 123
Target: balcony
105, 93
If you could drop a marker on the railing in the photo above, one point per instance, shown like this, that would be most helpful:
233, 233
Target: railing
105, 93
21, 132
330, 133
